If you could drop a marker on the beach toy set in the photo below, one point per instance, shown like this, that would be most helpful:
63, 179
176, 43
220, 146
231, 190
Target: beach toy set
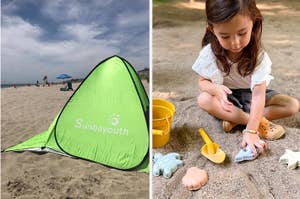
211, 151
195, 178
163, 113
162, 116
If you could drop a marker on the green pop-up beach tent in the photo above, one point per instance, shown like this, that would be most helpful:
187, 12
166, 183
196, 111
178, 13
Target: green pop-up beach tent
105, 120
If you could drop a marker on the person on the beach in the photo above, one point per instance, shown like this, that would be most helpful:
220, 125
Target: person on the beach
234, 71
45, 80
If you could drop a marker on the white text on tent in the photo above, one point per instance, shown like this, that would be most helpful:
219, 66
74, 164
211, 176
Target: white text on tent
97, 128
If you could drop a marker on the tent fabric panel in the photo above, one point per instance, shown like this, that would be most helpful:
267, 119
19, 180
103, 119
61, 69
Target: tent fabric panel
41, 140
36, 141
139, 86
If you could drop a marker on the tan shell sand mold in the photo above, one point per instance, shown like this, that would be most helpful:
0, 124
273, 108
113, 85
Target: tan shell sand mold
194, 178
27, 111
175, 47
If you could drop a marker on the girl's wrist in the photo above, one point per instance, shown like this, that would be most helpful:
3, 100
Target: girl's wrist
250, 131
215, 89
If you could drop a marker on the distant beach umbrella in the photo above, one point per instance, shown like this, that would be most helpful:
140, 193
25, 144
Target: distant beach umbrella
63, 76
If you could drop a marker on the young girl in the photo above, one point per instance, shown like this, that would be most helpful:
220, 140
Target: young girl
234, 72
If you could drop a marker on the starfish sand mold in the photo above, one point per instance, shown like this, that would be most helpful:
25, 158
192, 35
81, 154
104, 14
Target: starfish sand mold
291, 158
166, 164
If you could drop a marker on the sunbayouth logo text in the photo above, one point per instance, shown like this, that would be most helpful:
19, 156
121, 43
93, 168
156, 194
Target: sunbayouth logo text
81, 124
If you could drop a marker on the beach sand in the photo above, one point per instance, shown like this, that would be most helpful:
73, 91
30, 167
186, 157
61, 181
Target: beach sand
178, 30
27, 111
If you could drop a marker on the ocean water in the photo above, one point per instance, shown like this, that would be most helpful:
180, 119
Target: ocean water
17, 85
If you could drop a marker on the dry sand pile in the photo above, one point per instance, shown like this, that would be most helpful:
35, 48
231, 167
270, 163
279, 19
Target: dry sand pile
177, 34
27, 111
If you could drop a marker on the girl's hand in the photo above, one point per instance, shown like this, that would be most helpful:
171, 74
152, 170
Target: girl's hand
221, 94
253, 140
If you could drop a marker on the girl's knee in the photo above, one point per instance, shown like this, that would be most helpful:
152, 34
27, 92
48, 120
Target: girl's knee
204, 101
293, 106
290, 104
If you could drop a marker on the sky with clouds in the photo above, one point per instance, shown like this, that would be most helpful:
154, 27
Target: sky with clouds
50, 37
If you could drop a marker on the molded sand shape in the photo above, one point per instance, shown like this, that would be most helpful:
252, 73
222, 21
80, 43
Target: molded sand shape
291, 158
194, 178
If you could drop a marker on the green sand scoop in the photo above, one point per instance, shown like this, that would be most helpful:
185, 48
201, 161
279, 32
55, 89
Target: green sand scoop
210, 149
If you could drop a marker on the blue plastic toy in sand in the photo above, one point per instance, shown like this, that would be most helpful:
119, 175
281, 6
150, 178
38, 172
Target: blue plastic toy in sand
246, 154
166, 164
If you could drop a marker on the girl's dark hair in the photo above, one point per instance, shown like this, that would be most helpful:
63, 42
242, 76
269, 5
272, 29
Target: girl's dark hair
218, 11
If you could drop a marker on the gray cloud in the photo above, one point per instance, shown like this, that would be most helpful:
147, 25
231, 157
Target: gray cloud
74, 42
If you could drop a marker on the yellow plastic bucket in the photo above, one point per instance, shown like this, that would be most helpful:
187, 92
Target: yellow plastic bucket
165, 103
162, 113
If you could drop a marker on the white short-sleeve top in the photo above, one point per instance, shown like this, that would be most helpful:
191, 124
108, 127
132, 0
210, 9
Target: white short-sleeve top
206, 66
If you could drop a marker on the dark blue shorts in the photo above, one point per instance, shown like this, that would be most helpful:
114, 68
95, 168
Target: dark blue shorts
241, 98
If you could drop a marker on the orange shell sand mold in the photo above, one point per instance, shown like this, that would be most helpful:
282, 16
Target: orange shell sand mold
194, 178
